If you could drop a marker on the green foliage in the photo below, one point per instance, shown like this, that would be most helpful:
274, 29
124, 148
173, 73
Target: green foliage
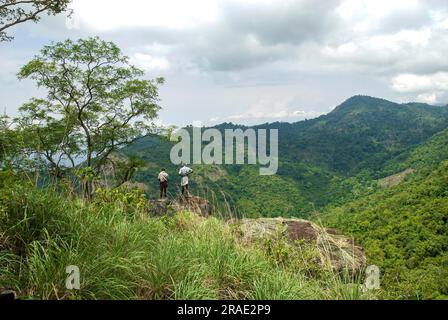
404, 231
132, 201
326, 161
424, 157
14, 12
179, 257
96, 103
9, 141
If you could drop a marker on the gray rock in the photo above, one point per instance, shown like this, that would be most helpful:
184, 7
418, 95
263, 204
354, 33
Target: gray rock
194, 204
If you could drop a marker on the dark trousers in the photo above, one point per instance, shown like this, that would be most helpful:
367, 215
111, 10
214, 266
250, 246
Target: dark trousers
163, 187
185, 189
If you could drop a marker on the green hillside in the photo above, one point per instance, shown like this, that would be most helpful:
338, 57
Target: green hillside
404, 229
329, 167
360, 134
325, 161
423, 157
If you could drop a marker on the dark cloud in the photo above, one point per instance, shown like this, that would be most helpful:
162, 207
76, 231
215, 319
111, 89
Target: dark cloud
290, 22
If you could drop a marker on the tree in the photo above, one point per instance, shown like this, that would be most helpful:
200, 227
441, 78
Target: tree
14, 12
124, 169
96, 103
45, 136
5, 139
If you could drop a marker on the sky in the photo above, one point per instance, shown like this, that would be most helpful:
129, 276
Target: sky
255, 61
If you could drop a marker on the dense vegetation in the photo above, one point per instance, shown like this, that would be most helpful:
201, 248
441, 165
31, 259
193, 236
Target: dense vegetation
404, 231
125, 254
403, 228
325, 161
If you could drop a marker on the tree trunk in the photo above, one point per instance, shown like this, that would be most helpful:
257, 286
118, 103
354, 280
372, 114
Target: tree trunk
86, 179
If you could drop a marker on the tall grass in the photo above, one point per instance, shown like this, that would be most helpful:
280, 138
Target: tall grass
128, 255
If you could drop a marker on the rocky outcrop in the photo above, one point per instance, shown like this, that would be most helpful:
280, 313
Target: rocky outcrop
190, 203
332, 249
159, 208
335, 250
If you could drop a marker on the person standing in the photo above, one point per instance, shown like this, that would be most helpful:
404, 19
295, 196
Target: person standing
163, 180
184, 172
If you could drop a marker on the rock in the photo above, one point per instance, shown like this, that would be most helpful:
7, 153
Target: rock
300, 230
161, 207
194, 204
333, 249
338, 251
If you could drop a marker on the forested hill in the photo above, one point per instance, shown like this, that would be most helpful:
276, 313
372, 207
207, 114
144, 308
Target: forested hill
360, 134
328, 160
404, 230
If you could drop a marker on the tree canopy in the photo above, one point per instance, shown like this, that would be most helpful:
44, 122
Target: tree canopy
96, 103
14, 12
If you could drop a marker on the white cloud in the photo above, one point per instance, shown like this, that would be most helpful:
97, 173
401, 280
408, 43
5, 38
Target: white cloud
214, 119
374, 9
388, 53
150, 63
307, 114
420, 83
279, 115
368, 15
430, 98
429, 88
274, 108
441, 21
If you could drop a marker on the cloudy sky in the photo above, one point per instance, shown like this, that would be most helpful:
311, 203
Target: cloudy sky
256, 61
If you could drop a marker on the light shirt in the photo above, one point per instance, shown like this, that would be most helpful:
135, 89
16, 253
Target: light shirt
163, 176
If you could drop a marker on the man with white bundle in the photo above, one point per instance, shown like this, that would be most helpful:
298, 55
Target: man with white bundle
184, 172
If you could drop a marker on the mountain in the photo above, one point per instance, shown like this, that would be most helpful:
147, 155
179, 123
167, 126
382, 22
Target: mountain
360, 134
325, 161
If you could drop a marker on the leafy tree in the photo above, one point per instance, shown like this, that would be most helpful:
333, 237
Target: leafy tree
14, 12
47, 137
127, 169
5, 146
9, 141
96, 103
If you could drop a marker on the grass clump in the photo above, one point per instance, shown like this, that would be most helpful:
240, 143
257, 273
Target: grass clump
122, 253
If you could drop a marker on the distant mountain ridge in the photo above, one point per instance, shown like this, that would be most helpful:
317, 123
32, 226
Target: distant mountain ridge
345, 139
327, 160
